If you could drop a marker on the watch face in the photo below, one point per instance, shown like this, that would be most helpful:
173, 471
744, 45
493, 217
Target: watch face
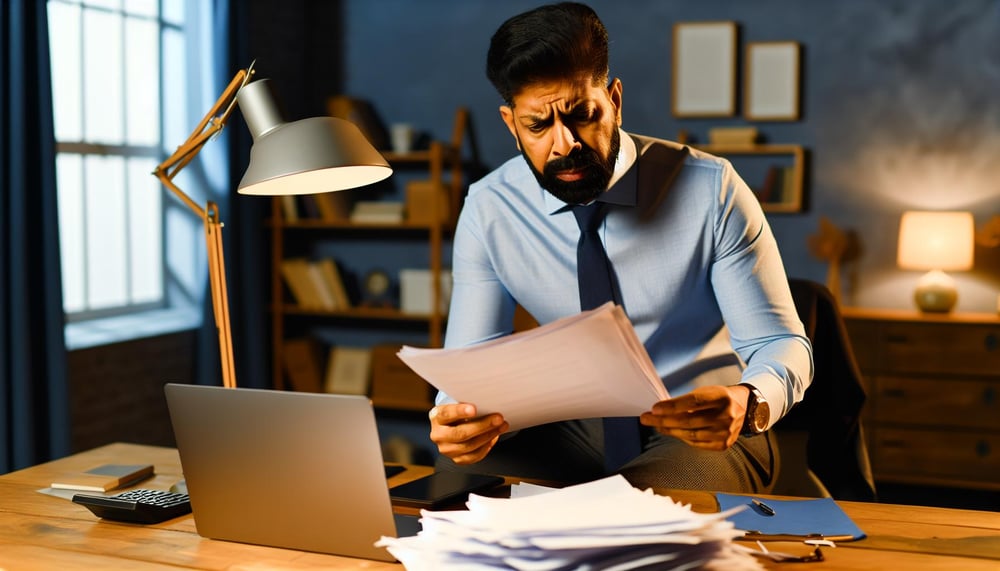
761, 414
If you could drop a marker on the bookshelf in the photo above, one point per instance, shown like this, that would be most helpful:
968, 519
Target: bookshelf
400, 389
775, 172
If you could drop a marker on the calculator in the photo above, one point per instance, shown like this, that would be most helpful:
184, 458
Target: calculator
137, 506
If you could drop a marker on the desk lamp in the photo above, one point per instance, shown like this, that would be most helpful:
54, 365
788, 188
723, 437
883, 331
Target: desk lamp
938, 242
319, 154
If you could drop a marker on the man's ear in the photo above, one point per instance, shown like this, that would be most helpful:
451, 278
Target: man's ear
615, 94
507, 114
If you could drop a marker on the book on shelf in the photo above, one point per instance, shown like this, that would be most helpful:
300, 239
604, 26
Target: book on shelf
378, 212
321, 286
104, 478
348, 370
289, 208
334, 281
772, 179
426, 202
394, 383
301, 361
416, 287
333, 206
297, 276
788, 175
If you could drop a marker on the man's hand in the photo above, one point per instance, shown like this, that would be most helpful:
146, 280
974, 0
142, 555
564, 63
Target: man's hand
462, 436
707, 417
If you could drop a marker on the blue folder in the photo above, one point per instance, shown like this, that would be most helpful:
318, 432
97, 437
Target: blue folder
818, 518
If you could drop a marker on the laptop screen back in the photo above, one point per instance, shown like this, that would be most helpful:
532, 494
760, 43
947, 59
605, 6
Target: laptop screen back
284, 469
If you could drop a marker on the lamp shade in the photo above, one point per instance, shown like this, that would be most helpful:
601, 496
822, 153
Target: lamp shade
320, 154
936, 241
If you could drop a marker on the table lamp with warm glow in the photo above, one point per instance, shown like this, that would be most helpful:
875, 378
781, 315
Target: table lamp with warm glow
937, 242
319, 154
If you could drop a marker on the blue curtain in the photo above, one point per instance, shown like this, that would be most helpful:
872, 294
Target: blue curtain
251, 262
34, 411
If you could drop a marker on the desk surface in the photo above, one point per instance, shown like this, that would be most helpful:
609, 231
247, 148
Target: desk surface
39, 531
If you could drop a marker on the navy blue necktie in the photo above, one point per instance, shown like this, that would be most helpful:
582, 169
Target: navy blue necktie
598, 285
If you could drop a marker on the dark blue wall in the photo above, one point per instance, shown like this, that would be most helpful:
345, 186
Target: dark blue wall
901, 106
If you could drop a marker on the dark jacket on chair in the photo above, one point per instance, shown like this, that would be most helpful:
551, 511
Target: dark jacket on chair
830, 411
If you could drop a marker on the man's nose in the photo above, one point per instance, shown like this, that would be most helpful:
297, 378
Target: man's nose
566, 140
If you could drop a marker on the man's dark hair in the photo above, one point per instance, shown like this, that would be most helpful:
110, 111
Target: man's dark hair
556, 41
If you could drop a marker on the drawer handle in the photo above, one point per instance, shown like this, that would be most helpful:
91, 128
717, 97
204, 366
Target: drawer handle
982, 449
989, 396
897, 338
990, 342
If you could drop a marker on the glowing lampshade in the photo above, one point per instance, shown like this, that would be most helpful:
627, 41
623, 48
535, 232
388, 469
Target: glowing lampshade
937, 242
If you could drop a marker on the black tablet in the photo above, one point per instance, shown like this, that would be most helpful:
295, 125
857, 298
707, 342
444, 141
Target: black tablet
442, 489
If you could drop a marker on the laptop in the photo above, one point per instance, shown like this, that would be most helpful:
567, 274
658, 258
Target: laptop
285, 469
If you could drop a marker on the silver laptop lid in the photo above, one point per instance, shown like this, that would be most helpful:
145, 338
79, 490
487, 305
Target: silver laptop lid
284, 469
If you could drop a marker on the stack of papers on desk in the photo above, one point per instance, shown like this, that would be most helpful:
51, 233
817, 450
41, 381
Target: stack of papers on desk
587, 365
602, 525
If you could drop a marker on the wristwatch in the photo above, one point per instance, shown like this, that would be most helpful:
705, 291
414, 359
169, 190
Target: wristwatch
758, 413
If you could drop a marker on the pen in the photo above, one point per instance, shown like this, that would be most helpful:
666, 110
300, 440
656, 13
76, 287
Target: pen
768, 510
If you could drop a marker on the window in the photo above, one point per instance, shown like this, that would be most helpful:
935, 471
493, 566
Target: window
111, 61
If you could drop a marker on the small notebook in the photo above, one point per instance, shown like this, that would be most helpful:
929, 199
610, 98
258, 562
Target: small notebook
819, 518
104, 478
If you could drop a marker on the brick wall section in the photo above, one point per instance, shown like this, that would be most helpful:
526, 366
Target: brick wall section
116, 391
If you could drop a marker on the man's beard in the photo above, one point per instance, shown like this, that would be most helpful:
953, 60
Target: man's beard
597, 172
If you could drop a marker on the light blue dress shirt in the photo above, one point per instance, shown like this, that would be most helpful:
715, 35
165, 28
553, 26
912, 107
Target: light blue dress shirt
703, 262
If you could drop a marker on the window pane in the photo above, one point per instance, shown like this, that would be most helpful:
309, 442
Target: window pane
145, 231
143, 84
173, 11
69, 174
110, 4
102, 57
106, 232
186, 258
142, 7
64, 31
176, 126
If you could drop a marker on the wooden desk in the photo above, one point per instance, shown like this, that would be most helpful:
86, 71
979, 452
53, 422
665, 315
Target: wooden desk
38, 531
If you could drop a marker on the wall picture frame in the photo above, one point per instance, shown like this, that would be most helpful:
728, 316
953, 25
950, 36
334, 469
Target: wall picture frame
704, 69
772, 81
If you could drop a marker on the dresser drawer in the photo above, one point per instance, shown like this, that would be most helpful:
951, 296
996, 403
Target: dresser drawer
903, 347
961, 458
936, 402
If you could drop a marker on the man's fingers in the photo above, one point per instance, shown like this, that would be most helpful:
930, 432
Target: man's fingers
683, 421
473, 449
451, 413
473, 456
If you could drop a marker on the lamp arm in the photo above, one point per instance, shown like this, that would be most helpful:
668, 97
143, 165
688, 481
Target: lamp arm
210, 125
220, 295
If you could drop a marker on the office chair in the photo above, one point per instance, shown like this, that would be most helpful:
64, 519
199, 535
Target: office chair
822, 445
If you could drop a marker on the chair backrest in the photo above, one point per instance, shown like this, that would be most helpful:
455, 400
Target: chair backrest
830, 412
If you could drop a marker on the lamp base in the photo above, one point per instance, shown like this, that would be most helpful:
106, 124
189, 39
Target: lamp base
936, 292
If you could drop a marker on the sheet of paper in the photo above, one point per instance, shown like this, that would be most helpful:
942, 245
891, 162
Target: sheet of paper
583, 366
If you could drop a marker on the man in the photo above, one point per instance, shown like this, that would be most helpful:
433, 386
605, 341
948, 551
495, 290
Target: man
691, 255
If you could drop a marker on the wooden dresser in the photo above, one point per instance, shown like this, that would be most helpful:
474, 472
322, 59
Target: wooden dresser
933, 411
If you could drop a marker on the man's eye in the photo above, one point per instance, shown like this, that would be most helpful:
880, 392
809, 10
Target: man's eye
585, 116
537, 127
